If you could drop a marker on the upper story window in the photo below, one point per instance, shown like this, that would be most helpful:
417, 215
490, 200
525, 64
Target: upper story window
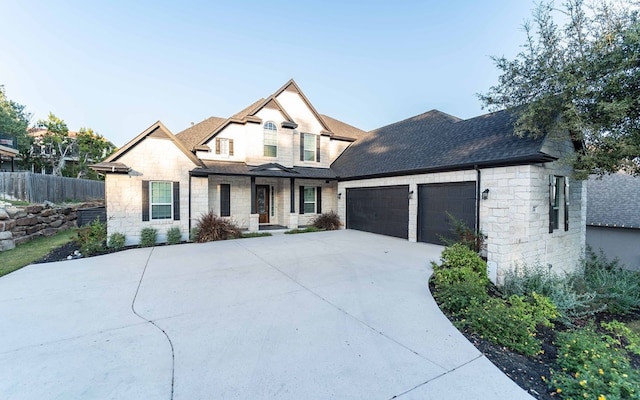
309, 147
270, 139
558, 202
224, 146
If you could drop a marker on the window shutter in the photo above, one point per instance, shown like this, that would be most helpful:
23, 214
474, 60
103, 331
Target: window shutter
301, 146
566, 203
551, 214
145, 200
318, 148
217, 145
301, 200
230, 147
176, 201
318, 200
225, 200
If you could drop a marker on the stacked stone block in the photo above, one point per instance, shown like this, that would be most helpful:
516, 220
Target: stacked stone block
22, 224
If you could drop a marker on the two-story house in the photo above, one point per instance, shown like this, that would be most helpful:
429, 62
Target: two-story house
279, 162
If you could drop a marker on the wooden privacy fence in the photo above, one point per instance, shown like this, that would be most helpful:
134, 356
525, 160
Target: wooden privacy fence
37, 188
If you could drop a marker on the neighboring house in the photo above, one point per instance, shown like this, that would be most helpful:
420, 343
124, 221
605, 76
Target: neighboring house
613, 217
8, 153
280, 162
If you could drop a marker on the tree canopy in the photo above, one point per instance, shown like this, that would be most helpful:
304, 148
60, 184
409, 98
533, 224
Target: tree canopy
581, 76
14, 121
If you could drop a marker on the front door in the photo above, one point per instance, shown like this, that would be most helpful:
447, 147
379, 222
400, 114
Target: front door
262, 203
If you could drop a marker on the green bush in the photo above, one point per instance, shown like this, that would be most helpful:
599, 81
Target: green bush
329, 221
116, 241
465, 236
255, 234
211, 227
92, 238
193, 234
511, 323
308, 229
593, 365
174, 236
148, 237
457, 297
459, 256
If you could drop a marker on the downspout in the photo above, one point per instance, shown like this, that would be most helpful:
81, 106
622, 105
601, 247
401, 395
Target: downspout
477, 200
189, 232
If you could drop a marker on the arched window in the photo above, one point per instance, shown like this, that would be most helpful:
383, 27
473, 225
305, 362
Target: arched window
270, 139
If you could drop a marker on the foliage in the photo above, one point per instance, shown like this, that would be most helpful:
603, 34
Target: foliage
116, 241
459, 256
511, 323
308, 229
329, 221
14, 121
254, 234
89, 147
567, 291
193, 234
29, 252
92, 238
148, 237
211, 227
457, 297
464, 235
174, 236
623, 336
581, 77
594, 365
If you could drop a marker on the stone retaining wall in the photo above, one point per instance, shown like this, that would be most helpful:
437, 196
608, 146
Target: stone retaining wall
22, 224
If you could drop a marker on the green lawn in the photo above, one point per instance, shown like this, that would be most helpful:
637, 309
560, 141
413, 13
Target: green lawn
34, 250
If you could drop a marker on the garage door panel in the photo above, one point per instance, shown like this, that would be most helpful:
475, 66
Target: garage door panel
383, 210
436, 200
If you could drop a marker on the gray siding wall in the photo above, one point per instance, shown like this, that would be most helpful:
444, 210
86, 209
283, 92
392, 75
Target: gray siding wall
616, 242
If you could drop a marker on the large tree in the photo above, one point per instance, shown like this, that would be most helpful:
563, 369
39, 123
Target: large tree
581, 75
90, 147
14, 121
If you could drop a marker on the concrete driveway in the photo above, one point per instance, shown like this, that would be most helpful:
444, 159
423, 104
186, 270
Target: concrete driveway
331, 315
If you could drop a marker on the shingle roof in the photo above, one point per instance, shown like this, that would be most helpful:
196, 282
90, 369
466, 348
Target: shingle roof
435, 141
192, 136
341, 129
612, 200
266, 170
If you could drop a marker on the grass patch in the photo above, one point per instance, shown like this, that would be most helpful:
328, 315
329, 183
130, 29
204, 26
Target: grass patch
254, 234
304, 230
16, 202
34, 250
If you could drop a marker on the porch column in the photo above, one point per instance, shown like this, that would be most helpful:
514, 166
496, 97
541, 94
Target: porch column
293, 217
254, 224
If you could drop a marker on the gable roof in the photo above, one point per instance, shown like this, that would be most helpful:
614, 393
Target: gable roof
341, 130
193, 135
612, 200
435, 141
159, 130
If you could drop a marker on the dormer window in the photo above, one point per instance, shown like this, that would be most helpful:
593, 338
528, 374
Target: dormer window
224, 147
270, 139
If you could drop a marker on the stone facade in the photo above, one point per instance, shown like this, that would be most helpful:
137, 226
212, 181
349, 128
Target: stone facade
22, 224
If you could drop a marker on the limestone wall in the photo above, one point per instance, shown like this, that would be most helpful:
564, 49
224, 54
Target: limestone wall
22, 224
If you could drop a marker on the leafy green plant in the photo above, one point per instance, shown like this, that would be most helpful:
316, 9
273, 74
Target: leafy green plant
456, 297
255, 234
308, 229
116, 241
92, 238
193, 234
148, 237
211, 227
623, 336
459, 256
329, 221
174, 236
593, 365
464, 235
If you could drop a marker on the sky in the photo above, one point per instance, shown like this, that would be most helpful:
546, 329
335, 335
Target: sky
119, 66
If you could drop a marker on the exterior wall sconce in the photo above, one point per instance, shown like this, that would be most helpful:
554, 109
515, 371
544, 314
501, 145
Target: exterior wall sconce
411, 195
339, 196
485, 194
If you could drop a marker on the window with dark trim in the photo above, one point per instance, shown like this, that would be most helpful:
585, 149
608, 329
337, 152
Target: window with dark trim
309, 147
224, 147
270, 138
225, 200
558, 202
310, 200
160, 200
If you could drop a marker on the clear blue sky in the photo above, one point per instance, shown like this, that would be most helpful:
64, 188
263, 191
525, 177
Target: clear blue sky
119, 66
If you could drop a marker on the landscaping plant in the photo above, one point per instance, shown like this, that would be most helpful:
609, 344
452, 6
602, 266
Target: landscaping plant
308, 229
329, 221
92, 238
211, 227
116, 241
148, 237
174, 236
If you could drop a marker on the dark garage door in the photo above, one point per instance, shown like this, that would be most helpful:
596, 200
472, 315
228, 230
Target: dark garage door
383, 210
435, 200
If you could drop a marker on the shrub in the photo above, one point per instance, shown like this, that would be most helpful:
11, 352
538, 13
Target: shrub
193, 234
594, 365
211, 227
308, 229
117, 241
174, 236
459, 256
467, 237
457, 297
329, 221
92, 238
148, 237
511, 323
255, 234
